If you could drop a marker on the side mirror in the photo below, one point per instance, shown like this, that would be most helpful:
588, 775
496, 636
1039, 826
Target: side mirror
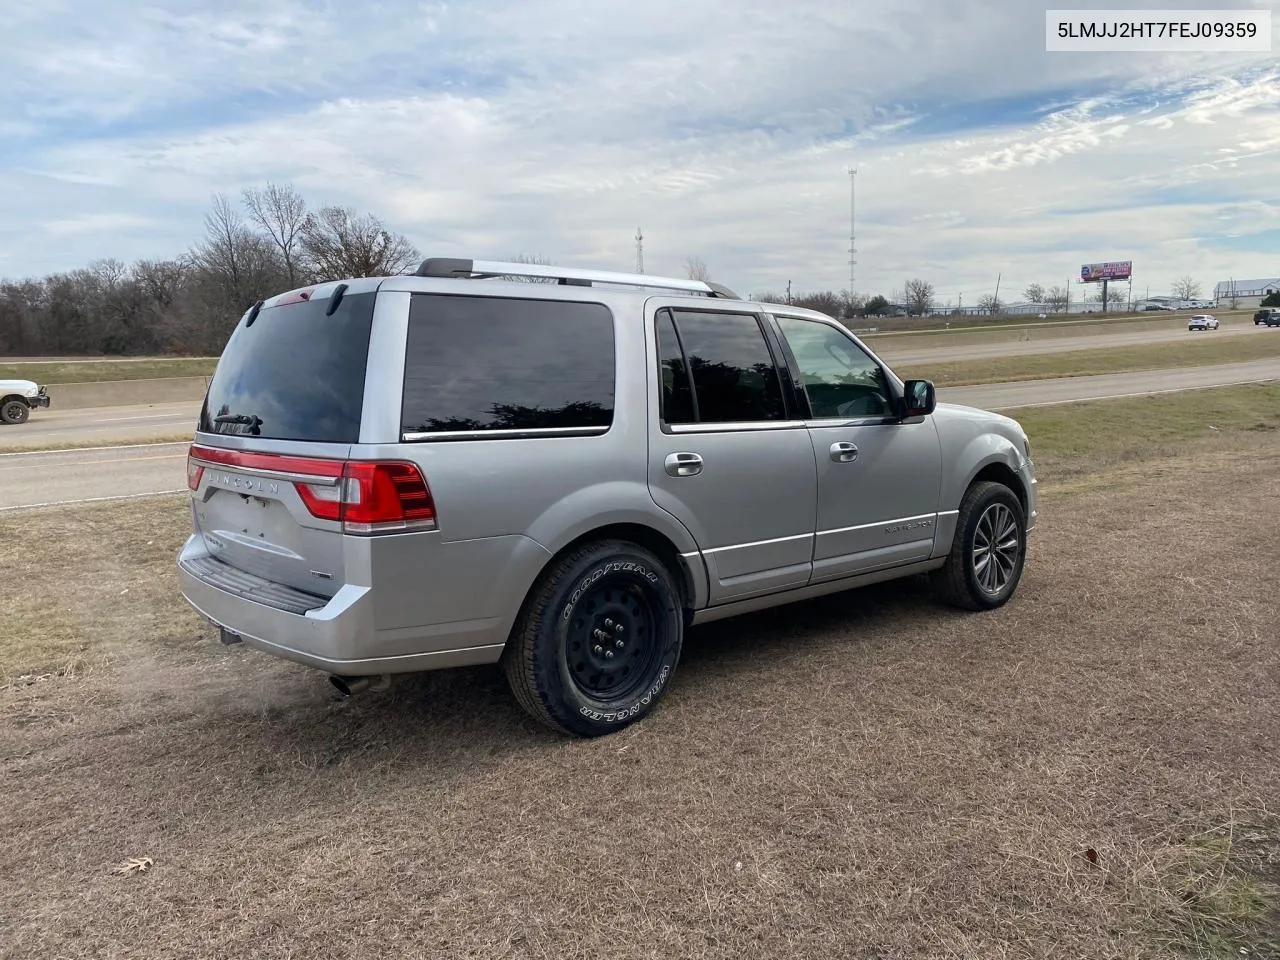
919, 398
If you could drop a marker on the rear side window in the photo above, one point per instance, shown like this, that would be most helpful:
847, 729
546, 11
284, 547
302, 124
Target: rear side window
294, 374
488, 364
729, 364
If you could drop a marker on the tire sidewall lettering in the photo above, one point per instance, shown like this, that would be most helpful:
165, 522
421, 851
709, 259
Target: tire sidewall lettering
627, 713
611, 566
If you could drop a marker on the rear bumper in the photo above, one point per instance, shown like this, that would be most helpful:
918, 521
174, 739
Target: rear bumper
338, 636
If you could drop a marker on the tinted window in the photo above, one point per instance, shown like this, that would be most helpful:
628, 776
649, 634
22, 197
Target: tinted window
733, 374
677, 394
298, 372
490, 363
838, 376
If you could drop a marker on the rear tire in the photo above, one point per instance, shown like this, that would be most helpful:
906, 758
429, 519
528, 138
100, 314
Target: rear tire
989, 550
14, 411
598, 640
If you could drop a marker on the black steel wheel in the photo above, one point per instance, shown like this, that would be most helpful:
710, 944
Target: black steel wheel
598, 640
14, 411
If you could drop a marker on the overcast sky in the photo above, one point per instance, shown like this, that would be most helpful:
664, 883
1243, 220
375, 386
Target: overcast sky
723, 128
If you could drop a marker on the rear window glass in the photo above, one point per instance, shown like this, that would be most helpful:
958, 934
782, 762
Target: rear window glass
482, 364
295, 374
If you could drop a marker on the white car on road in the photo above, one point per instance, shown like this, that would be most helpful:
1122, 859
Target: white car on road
17, 397
1202, 321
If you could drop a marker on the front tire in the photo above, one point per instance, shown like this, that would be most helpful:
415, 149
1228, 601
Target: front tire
597, 643
14, 411
988, 552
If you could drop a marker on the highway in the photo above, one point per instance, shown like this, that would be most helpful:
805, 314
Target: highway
136, 423
898, 351
164, 421
126, 472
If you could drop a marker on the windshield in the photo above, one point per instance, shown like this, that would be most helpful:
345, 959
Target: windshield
294, 373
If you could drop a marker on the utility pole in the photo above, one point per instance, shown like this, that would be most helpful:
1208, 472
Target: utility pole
639, 251
853, 248
788, 292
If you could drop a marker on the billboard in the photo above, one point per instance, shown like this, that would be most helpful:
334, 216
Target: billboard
1097, 272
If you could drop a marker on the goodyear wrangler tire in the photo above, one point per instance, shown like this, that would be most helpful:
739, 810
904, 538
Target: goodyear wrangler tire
597, 643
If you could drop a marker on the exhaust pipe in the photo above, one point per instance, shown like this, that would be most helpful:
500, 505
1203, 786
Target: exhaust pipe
350, 686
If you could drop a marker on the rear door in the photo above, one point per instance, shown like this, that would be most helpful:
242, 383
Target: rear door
879, 477
727, 454
282, 411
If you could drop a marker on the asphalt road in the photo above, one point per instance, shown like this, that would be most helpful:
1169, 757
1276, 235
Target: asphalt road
897, 351
138, 424
128, 424
114, 473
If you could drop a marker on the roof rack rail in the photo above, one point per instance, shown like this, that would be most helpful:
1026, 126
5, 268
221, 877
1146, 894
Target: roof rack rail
485, 269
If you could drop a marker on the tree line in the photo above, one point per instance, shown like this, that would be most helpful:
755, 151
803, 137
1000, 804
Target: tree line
267, 243
270, 241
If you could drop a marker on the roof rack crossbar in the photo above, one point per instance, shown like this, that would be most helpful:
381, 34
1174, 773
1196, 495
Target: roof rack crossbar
487, 269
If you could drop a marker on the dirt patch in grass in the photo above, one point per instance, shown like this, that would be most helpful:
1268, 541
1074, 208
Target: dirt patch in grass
865, 776
95, 584
1086, 363
97, 371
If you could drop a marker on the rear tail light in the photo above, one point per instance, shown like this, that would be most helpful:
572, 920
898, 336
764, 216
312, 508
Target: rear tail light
365, 496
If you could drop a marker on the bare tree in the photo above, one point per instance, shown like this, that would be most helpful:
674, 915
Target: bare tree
531, 259
282, 213
832, 304
918, 296
1035, 293
1186, 288
240, 264
341, 243
696, 269
1057, 298
989, 303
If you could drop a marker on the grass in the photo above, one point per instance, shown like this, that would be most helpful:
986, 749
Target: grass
1085, 363
1074, 440
97, 371
862, 776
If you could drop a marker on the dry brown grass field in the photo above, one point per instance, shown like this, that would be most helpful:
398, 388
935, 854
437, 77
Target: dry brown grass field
1091, 771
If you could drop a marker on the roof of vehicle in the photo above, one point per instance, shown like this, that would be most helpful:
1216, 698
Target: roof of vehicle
439, 274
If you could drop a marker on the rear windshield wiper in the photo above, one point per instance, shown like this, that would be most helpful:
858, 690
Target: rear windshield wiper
249, 421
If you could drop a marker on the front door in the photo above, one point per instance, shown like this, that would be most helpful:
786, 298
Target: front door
879, 477
728, 454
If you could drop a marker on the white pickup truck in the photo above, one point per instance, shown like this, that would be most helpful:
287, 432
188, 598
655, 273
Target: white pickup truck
17, 397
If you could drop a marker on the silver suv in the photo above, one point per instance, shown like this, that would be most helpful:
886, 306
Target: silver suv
562, 475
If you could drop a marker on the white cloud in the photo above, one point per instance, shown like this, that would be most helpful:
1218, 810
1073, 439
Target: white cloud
723, 129
97, 223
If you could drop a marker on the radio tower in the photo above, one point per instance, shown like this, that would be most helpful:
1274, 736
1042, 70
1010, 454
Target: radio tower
853, 249
639, 251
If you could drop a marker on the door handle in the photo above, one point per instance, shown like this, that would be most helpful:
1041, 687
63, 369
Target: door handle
683, 464
844, 452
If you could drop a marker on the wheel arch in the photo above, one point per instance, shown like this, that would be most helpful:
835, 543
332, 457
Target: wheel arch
656, 542
997, 471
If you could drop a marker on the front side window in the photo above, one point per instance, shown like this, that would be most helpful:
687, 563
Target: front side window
839, 378
728, 363
481, 364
